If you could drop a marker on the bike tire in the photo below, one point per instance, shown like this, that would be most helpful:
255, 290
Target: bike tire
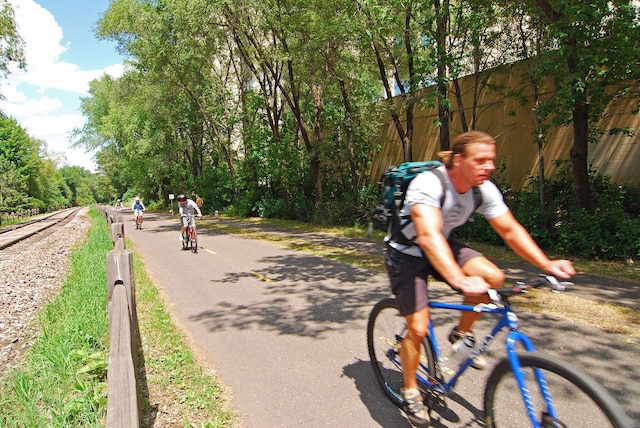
385, 330
194, 241
579, 400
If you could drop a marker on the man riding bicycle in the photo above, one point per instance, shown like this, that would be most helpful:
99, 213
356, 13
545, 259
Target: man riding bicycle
138, 208
186, 207
469, 164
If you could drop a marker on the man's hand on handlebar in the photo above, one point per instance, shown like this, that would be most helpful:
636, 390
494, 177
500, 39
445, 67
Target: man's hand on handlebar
560, 268
471, 285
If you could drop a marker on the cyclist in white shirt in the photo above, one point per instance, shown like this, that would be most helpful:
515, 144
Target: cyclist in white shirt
186, 207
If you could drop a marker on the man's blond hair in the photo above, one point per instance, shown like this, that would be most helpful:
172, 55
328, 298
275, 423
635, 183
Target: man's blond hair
460, 145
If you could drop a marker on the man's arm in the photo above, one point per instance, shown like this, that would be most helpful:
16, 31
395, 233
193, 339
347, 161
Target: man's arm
427, 221
521, 242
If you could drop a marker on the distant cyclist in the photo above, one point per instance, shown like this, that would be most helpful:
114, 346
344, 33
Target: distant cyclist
187, 208
138, 208
118, 206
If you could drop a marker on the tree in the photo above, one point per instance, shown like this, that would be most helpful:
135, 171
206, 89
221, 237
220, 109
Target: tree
594, 60
19, 162
401, 51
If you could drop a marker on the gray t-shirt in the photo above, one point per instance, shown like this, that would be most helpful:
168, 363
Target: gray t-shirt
426, 188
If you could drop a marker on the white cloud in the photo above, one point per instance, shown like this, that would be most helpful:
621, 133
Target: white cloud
39, 98
31, 107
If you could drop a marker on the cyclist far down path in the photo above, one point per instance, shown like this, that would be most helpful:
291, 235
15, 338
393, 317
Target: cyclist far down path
186, 207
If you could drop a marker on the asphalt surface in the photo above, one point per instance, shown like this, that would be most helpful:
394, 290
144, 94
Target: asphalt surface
285, 331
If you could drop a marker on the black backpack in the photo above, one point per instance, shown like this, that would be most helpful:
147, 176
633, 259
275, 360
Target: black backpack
393, 186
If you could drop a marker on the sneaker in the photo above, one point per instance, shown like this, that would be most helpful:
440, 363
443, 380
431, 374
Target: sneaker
415, 409
479, 362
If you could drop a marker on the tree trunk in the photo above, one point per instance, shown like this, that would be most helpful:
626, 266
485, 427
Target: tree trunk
442, 19
579, 153
404, 140
349, 138
580, 148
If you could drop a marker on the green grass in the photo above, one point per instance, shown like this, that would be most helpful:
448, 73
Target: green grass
61, 382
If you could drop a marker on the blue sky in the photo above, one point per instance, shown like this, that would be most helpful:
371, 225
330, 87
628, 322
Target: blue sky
63, 56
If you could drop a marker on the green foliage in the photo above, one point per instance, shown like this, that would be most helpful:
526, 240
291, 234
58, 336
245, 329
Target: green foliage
28, 179
82, 185
269, 109
11, 43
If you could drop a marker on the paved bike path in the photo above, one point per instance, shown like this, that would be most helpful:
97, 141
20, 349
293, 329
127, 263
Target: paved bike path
285, 331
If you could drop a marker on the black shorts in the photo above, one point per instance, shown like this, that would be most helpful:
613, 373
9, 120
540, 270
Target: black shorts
408, 275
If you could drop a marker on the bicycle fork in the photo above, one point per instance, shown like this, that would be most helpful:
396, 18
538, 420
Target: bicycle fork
513, 338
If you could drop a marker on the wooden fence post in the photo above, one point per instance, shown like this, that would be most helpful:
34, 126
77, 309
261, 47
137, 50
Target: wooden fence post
123, 400
117, 232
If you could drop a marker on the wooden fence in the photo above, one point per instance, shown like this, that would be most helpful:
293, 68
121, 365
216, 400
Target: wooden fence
6, 216
123, 398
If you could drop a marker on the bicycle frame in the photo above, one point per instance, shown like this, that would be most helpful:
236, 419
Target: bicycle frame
507, 319
191, 225
189, 235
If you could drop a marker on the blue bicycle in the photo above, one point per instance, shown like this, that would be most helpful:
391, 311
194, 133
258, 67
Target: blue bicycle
553, 392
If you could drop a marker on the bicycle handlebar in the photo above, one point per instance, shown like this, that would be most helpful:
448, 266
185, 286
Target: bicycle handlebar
542, 281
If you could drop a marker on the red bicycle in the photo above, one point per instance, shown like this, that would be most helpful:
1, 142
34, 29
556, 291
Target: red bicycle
138, 218
189, 237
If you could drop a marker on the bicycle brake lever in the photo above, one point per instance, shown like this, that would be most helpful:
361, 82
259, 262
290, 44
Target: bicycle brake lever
554, 284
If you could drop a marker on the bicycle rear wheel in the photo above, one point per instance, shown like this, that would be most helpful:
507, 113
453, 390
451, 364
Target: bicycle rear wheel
579, 401
385, 330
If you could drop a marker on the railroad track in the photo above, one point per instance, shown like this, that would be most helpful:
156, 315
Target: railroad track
40, 226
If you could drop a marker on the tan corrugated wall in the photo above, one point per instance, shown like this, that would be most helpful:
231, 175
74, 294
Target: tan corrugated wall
511, 124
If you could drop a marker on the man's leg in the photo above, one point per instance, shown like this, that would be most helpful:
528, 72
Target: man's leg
482, 267
417, 327
183, 228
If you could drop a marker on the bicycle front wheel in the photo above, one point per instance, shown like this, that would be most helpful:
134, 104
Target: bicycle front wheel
194, 241
185, 240
385, 330
577, 399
